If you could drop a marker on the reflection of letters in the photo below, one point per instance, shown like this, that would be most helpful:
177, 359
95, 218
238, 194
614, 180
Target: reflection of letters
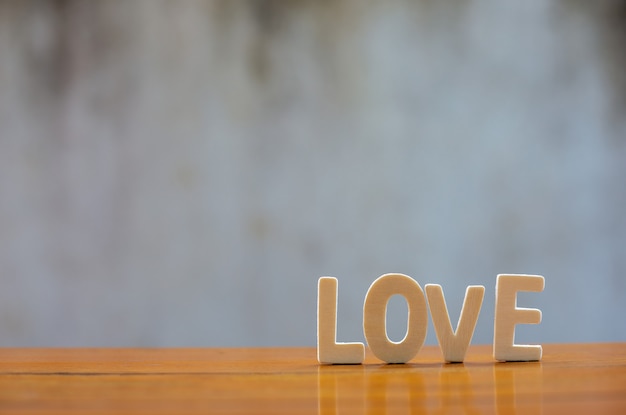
326, 392
381, 389
456, 391
403, 388
340, 387
523, 380
435, 388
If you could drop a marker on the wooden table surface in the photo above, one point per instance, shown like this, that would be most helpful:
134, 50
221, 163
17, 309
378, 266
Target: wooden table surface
571, 378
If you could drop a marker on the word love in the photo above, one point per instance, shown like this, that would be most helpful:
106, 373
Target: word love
453, 344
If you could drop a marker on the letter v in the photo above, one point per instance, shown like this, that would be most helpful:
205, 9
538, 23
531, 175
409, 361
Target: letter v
454, 344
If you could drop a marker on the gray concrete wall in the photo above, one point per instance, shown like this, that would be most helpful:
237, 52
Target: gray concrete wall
181, 173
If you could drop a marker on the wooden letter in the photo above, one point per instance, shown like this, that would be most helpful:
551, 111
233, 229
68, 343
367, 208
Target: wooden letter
375, 318
328, 350
454, 344
508, 315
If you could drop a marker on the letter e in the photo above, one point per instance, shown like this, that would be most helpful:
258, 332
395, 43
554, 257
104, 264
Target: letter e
508, 315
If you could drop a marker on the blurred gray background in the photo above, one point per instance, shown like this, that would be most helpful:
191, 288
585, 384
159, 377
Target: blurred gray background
180, 173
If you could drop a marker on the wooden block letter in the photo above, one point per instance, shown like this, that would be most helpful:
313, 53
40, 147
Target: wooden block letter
454, 344
375, 318
508, 315
328, 350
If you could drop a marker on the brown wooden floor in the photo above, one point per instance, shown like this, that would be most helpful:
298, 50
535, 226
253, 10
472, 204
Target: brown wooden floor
572, 378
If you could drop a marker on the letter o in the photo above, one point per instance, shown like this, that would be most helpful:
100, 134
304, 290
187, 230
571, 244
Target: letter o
375, 318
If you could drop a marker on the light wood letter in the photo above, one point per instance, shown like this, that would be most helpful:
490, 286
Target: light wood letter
375, 318
328, 350
508, 315
454, 344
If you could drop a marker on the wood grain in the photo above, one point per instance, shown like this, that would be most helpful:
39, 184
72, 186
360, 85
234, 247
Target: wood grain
572, 378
